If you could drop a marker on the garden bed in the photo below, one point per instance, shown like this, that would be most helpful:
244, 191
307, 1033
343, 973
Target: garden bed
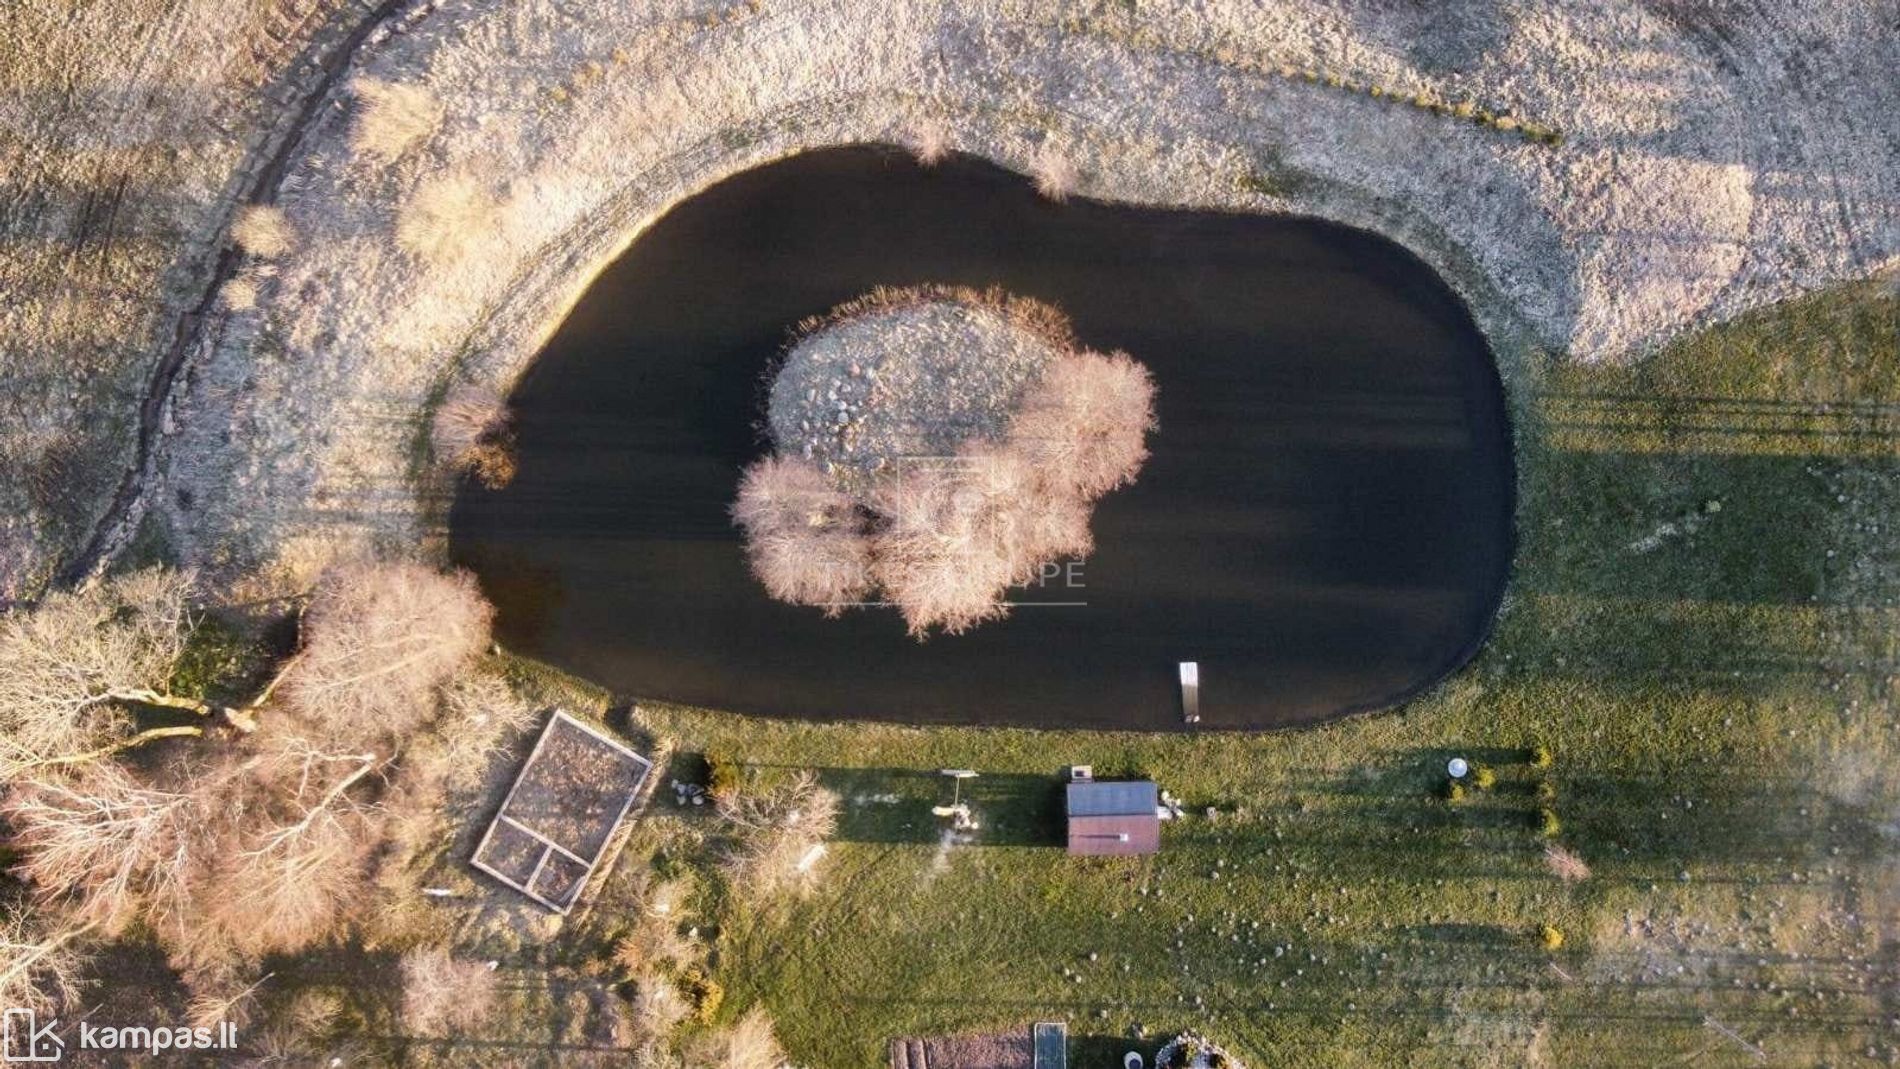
576, 787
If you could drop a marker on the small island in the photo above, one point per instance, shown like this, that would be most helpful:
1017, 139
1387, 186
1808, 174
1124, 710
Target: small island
933, 446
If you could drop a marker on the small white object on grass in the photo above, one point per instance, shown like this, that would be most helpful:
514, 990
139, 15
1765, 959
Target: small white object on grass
1457, 767
811, 857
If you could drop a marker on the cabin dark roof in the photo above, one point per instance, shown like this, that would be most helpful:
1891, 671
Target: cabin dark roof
1112, 798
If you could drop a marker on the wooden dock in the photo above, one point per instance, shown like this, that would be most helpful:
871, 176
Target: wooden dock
1191, 691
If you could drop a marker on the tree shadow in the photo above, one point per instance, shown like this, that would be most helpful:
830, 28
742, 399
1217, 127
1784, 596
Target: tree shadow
1435, 36
893, 805
1706, 822
1090, 1050
1676, 524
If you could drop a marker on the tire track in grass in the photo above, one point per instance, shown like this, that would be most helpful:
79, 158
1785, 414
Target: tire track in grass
198, 325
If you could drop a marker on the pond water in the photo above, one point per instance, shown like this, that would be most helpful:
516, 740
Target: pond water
1325, 524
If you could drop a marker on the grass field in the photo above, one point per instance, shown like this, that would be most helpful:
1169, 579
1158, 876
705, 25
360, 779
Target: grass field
1702, 630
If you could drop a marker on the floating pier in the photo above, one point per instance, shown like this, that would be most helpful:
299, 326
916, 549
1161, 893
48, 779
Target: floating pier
1191, 692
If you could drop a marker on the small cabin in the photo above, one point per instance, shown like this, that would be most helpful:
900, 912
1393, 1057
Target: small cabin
1112, 817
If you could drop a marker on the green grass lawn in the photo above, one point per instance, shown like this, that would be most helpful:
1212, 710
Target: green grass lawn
1701, 627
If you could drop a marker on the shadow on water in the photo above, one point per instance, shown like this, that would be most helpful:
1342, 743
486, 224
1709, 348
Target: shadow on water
1325, 523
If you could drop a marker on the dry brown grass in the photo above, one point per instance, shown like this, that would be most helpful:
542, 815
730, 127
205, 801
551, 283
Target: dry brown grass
1027, 314
128, 126
240, 293
442, 994
658, 1006
928, 141
1054, 173
654, 939
262, 230
446, 214
749, 1043
467, 415
1565, 865
392, 118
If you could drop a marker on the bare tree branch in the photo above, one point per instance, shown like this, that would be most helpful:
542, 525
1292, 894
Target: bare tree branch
39, 968
70, 663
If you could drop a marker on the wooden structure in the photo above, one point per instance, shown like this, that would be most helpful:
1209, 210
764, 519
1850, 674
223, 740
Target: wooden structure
1109, 817
1043, 1045
561, 813
1191, 692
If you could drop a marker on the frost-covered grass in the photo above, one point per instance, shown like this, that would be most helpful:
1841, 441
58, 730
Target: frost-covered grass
121, 126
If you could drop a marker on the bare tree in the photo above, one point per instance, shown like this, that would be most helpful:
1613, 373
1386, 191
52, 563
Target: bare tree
777, 831
943, 542
748, 1044
804, 537
473, 433
944, 551
71, 665
40, 962
379, 640
445, 994
480, 714
295, 864
105, 847
220, 993
1084, 426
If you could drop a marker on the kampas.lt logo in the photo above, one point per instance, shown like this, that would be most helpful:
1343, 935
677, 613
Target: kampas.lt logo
24, 1039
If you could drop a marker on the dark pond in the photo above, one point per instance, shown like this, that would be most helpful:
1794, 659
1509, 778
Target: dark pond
1325, 524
